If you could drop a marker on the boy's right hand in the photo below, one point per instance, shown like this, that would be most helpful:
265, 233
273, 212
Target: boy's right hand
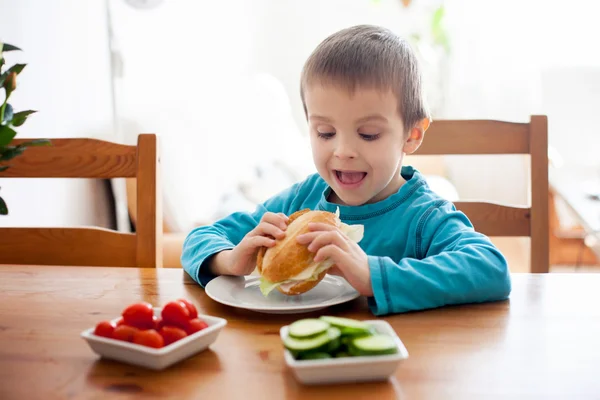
241, 260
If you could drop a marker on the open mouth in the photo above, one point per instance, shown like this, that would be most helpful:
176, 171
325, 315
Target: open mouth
350, 178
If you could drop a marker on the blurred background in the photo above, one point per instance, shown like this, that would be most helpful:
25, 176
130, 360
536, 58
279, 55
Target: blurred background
219, 80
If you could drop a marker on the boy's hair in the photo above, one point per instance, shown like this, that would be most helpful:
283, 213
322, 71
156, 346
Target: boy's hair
373, 57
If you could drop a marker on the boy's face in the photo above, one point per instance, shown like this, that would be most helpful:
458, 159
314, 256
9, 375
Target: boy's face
358, 142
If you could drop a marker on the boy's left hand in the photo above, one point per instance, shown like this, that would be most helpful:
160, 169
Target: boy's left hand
351, 261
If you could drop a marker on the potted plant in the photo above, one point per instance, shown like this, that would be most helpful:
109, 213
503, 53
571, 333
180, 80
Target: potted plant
9, 120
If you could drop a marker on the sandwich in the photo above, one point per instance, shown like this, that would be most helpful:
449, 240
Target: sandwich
289, 266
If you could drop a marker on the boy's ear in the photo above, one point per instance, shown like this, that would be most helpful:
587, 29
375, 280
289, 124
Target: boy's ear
415, 136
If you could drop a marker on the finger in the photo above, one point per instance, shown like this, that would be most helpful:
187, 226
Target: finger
306, 238
335, 271
260, 241
319, 226
267, 229
280, 220
327, 238
330, 251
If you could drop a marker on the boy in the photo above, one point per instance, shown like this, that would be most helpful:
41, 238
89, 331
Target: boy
362, 97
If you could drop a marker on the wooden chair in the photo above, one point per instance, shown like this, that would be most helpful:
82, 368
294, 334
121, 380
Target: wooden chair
90, 246
497, 137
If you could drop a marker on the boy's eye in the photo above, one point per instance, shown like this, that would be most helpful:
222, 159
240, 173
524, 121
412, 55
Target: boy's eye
369, 137
325, 135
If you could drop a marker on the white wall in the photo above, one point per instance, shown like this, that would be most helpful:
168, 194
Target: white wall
190, 76
67, 80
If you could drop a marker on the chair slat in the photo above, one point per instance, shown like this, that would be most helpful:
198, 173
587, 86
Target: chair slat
475, 137
149, 210
497, 220
67, 246
73, 158
540, 224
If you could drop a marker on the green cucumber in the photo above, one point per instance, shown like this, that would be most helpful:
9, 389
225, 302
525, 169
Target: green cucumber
309, 327
320, 343
353, 332
375, 345
314, 356
348, 326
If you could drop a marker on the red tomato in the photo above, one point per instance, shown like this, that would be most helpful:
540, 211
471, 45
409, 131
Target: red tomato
158, 323
120, 322
125, 333
175, 313
172, 334
191, 308
195, 325
149, 338
105, 329
139, 315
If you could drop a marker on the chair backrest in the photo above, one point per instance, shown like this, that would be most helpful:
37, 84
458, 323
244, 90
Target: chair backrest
463, 137
90, 246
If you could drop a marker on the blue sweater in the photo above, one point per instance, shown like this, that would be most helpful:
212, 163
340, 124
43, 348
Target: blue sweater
422, 252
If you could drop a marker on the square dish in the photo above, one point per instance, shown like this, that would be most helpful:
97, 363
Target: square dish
348, 369
156, 359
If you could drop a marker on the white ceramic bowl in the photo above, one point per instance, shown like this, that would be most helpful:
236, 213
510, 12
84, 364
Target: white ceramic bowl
348, 369
152, 358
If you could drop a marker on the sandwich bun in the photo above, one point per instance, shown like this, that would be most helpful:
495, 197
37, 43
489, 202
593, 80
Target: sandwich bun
289, 258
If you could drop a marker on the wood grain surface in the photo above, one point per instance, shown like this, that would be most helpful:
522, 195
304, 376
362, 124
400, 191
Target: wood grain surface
542, 343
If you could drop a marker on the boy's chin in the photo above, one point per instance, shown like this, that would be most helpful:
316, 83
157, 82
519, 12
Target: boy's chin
334, 197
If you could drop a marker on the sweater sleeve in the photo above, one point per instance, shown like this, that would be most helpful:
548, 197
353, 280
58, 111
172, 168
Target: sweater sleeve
454, 265
206, 241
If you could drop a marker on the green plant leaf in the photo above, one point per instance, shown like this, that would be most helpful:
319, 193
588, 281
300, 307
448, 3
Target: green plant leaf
4, 167
11, 152
10, 47
3, 207
8, 113
20, 117
15, 68
35, 142
6, 134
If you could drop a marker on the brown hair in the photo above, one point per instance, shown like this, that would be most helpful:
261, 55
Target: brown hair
369, 56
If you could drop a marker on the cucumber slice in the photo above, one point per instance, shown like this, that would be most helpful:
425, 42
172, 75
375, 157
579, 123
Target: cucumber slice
315, 356
375, 345
308, 327
319, 343
353, 332
346, 325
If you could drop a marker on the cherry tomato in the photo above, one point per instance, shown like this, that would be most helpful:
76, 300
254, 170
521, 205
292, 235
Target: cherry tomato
139, 315
120, 322
158, 323
172, 334
195, 325
105, 329
175, 313
149, 338
125, 333
191, 308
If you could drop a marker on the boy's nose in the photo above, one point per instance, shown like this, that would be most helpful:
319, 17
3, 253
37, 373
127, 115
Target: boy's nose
344, 150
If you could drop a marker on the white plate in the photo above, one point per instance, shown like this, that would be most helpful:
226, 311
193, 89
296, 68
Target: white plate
244, 292
348, 369
156, 359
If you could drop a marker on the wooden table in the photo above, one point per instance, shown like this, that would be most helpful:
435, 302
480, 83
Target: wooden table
543, 343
